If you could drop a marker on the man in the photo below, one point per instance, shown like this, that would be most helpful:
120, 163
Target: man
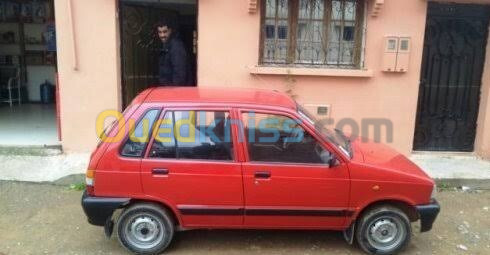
173, 57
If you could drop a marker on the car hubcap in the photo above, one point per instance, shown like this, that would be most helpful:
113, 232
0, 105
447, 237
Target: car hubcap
386, 233
144, 231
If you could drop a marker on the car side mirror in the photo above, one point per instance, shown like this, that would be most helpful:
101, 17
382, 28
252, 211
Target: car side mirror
329, 158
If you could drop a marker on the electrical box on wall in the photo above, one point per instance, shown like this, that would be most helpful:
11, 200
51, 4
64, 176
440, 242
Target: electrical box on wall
321, 111
389, 54
396, 54
403, 55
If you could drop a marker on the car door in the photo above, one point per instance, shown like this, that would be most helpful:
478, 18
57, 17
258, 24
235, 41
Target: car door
192, 165
287, 180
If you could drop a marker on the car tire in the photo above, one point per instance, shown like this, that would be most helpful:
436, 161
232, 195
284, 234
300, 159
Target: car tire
383, 230
145, 228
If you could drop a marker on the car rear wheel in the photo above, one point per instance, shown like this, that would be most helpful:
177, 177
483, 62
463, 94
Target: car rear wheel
383, 230
145, 228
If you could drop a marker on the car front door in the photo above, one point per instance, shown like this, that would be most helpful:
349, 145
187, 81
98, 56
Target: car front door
191, 164
288, 181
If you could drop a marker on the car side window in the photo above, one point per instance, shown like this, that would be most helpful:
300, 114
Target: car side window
140, 135
193, 135
277, 138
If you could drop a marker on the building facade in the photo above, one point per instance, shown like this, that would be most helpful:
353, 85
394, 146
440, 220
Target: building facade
418, 68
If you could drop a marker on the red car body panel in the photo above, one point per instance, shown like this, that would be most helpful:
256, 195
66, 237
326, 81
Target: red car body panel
197, 184
308, 196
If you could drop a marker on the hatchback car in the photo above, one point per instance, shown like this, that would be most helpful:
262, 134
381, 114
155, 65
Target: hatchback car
189, 158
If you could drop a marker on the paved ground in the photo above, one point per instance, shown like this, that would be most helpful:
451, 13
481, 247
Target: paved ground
452, 165
47, 219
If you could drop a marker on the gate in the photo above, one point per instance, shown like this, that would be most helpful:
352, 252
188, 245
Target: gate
452, 66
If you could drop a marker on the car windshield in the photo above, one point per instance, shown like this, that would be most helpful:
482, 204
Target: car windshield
336, 136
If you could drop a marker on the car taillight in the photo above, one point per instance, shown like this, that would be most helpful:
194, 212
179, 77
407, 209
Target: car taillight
90, 181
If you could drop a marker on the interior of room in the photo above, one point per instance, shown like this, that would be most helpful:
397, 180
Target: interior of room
27, 73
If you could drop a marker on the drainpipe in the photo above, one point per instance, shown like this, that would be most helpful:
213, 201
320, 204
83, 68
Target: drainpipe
72, 35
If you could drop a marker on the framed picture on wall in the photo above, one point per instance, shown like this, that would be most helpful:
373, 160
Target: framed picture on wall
38, 12
12, 11
26, 12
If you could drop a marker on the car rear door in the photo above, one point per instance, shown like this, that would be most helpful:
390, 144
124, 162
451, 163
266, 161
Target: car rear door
192, 165
286, 181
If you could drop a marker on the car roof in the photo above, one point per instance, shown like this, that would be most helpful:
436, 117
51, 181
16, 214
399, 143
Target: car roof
220, 95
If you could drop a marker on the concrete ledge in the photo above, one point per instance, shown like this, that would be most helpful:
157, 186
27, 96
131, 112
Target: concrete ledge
364, 73
70, 179
34, 150
42, 168
451, 170
453, 166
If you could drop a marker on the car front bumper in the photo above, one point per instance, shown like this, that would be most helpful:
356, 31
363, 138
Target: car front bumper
428, 214
100, 209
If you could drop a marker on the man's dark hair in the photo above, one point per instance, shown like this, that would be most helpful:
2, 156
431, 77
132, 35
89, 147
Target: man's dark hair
163, 22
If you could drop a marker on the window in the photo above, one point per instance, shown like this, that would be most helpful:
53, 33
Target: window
140, 135
312, 32
275, 138
194, 135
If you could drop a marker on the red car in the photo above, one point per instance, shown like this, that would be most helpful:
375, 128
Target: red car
188, 158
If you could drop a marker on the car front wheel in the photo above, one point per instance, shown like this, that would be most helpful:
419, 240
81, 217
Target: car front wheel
383, 230
145, 228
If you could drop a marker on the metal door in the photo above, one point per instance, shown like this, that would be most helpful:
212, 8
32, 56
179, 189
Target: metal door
452, 65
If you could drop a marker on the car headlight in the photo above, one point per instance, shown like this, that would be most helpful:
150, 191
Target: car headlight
434, 191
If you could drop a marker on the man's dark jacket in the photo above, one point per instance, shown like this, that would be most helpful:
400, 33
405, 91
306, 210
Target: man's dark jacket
173, 68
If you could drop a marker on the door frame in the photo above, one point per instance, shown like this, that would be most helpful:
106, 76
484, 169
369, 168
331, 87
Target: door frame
119, 23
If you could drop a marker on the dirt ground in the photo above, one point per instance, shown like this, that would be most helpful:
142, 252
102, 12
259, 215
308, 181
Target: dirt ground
48, 219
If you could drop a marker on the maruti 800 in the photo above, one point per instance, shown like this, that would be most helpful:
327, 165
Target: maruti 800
191, 158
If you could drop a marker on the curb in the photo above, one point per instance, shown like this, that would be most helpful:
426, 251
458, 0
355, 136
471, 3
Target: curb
478, 184
34, 150
482, 184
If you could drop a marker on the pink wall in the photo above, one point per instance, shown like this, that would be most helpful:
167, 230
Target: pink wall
228, 48
225, 56
92, 48
482, 141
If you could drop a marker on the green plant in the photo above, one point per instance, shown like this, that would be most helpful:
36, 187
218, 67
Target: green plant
77, 186
290, 84
443, 186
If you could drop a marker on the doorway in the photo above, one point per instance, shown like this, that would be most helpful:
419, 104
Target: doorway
28, 66
140, 45
451, 73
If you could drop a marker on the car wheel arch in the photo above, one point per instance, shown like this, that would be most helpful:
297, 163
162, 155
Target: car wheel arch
173, 213
408, 208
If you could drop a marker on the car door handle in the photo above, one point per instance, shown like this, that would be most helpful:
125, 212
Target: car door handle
262, 175
159, 171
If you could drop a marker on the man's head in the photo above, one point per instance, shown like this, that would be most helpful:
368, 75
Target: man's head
164, 30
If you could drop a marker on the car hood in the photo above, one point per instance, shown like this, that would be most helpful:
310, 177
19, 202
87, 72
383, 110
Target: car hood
382, 156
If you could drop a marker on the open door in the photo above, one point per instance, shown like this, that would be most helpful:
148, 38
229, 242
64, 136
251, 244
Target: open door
140, 45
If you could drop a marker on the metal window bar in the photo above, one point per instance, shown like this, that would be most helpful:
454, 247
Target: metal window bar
310, 33
320, 33
275, 31
343, 30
